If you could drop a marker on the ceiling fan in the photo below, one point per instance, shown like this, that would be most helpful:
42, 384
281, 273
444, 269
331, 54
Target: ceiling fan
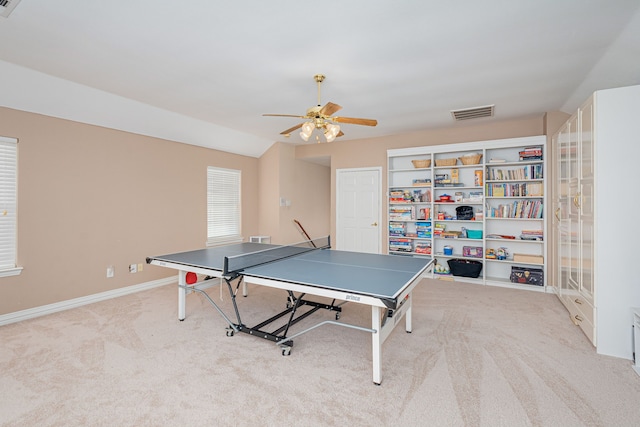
322, 118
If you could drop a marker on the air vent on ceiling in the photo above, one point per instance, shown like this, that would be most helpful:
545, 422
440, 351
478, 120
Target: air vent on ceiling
473, 113
7, 6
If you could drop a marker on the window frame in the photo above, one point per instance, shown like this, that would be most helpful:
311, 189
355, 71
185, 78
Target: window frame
9, 207
226, 185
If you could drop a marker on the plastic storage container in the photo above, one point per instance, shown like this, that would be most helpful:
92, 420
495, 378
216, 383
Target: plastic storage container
474, 234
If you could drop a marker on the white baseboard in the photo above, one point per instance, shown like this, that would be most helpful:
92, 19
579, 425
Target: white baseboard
31, 313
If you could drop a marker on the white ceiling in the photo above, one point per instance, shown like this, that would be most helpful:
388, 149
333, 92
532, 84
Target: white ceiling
204, 71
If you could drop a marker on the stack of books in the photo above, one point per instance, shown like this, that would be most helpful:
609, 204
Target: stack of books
400, 245
399, 196
397, 229
438, 229
531, 235
423, 229
423, 248
531, 153
402, 213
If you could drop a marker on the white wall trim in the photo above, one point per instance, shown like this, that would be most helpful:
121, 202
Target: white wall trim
31, 313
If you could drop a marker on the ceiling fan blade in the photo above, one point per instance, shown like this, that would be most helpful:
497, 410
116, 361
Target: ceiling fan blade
355, 121
285, 115
330, 108
288, 131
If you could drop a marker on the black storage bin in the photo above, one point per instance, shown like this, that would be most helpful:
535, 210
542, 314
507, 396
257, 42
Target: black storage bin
528, 276
465, 267
464, 212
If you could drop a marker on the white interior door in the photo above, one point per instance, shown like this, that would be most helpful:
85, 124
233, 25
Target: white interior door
358, 210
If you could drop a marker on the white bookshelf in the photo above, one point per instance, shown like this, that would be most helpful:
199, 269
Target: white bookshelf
507, 195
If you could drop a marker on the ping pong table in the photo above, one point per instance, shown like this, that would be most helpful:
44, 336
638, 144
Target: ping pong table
384, 282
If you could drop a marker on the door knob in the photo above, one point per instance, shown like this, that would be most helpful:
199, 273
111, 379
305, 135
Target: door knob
375, 224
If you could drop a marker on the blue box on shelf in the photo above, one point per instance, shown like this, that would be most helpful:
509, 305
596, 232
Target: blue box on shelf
474, 234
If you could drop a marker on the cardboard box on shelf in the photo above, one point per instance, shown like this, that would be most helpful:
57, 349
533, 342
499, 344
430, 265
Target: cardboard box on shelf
529, 259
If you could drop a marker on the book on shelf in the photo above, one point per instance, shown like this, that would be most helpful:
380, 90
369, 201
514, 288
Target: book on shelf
520, 189
400, 245
532, 235
531, 209
475, 196
478, 178
534, 238
534, 171
423, 248
423, 229
421, 182
529, 158
424, 213
531, 153
403, 213
438, 229
500, 236
397, 228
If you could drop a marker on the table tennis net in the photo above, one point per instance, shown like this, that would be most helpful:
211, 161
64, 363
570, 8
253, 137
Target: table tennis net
238, 263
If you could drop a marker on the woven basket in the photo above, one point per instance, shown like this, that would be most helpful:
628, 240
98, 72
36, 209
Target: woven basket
446, 162
421, 163
471, 159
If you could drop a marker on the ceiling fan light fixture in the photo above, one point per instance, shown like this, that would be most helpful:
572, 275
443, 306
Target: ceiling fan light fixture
331, 132
307, 128
329, 137
322, 118
334, 129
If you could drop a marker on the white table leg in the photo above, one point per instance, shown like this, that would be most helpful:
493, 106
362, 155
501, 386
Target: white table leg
182, 293
407, 316
376, 342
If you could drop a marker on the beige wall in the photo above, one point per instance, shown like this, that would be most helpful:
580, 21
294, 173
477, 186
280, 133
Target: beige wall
90, 197
269, 191
307, 187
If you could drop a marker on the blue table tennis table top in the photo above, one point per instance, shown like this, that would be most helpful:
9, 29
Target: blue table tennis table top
377, 275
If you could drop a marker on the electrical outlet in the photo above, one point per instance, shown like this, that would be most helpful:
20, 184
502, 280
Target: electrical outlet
133, 268
140, 267
111, 271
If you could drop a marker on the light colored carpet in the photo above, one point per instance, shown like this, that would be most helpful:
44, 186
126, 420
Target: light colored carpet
478, 356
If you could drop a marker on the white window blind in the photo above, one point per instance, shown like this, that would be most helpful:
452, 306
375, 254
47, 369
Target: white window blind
223, 206
8, 203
